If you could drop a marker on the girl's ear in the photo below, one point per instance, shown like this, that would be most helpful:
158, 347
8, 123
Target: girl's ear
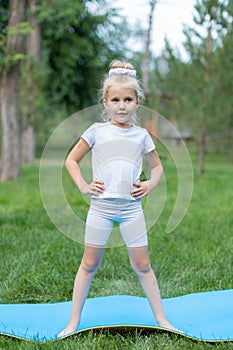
105, 103
138, 103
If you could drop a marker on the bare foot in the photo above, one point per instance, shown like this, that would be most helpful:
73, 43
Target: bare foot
168, 325
68, 330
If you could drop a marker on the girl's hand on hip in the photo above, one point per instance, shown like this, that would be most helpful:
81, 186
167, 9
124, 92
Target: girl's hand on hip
141, 190
96, 187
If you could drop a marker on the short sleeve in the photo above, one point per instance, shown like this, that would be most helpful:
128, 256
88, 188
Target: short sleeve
148, 143
89, 136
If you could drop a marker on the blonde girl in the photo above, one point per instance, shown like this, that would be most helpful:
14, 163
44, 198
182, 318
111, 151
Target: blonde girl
118, 146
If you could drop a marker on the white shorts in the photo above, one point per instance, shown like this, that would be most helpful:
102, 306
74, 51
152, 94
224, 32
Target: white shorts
128, 213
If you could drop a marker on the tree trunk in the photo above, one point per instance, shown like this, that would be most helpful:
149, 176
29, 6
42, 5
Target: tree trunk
202, 140
201, 155
11, 157
11, 147
28, 144
28, 102
146, 58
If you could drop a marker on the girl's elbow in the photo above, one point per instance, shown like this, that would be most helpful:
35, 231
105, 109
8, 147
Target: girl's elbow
158, 168
68, 162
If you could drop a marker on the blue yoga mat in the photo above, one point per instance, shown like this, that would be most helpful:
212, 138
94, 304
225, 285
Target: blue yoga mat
206, 316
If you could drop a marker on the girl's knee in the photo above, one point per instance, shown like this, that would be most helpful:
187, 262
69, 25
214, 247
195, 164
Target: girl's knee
90, 265
92, 258
141, 266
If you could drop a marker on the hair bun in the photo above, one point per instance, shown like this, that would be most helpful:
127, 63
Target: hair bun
121, 64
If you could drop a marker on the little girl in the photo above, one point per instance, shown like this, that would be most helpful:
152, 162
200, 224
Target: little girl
116, 190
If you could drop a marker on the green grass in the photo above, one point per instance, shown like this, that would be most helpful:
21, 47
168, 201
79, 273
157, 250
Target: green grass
38, 263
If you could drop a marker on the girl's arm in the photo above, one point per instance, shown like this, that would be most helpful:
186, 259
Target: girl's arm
145, 187
72, 164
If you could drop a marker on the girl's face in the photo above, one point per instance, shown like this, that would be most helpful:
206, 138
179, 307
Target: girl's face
121, 104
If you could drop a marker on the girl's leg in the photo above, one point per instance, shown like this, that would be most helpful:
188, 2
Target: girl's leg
139, 260
90, 263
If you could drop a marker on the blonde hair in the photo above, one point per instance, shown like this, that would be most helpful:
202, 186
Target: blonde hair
124, 79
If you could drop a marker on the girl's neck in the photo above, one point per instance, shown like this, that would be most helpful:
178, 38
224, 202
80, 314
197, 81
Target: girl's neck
122, 125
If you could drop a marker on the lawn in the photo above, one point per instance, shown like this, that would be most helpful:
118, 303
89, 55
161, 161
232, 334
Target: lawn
38, 263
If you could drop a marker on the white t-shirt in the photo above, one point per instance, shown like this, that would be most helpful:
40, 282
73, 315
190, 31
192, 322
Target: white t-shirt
117, 156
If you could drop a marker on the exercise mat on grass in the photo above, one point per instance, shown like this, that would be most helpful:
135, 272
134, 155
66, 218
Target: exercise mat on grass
206, 316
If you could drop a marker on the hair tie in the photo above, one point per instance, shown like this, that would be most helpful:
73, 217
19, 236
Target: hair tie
126, 71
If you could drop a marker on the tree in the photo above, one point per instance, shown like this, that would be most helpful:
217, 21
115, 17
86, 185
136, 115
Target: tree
29, 88
146, 58
201, 47
11, 141
224, 84
78, 39
195, 83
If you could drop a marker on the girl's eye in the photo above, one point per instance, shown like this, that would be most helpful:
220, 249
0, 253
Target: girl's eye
127, 99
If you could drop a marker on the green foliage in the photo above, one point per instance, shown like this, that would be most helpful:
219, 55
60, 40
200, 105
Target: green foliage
22, 28
9, 61
4, 14
76, 51
224, 76
211, 12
